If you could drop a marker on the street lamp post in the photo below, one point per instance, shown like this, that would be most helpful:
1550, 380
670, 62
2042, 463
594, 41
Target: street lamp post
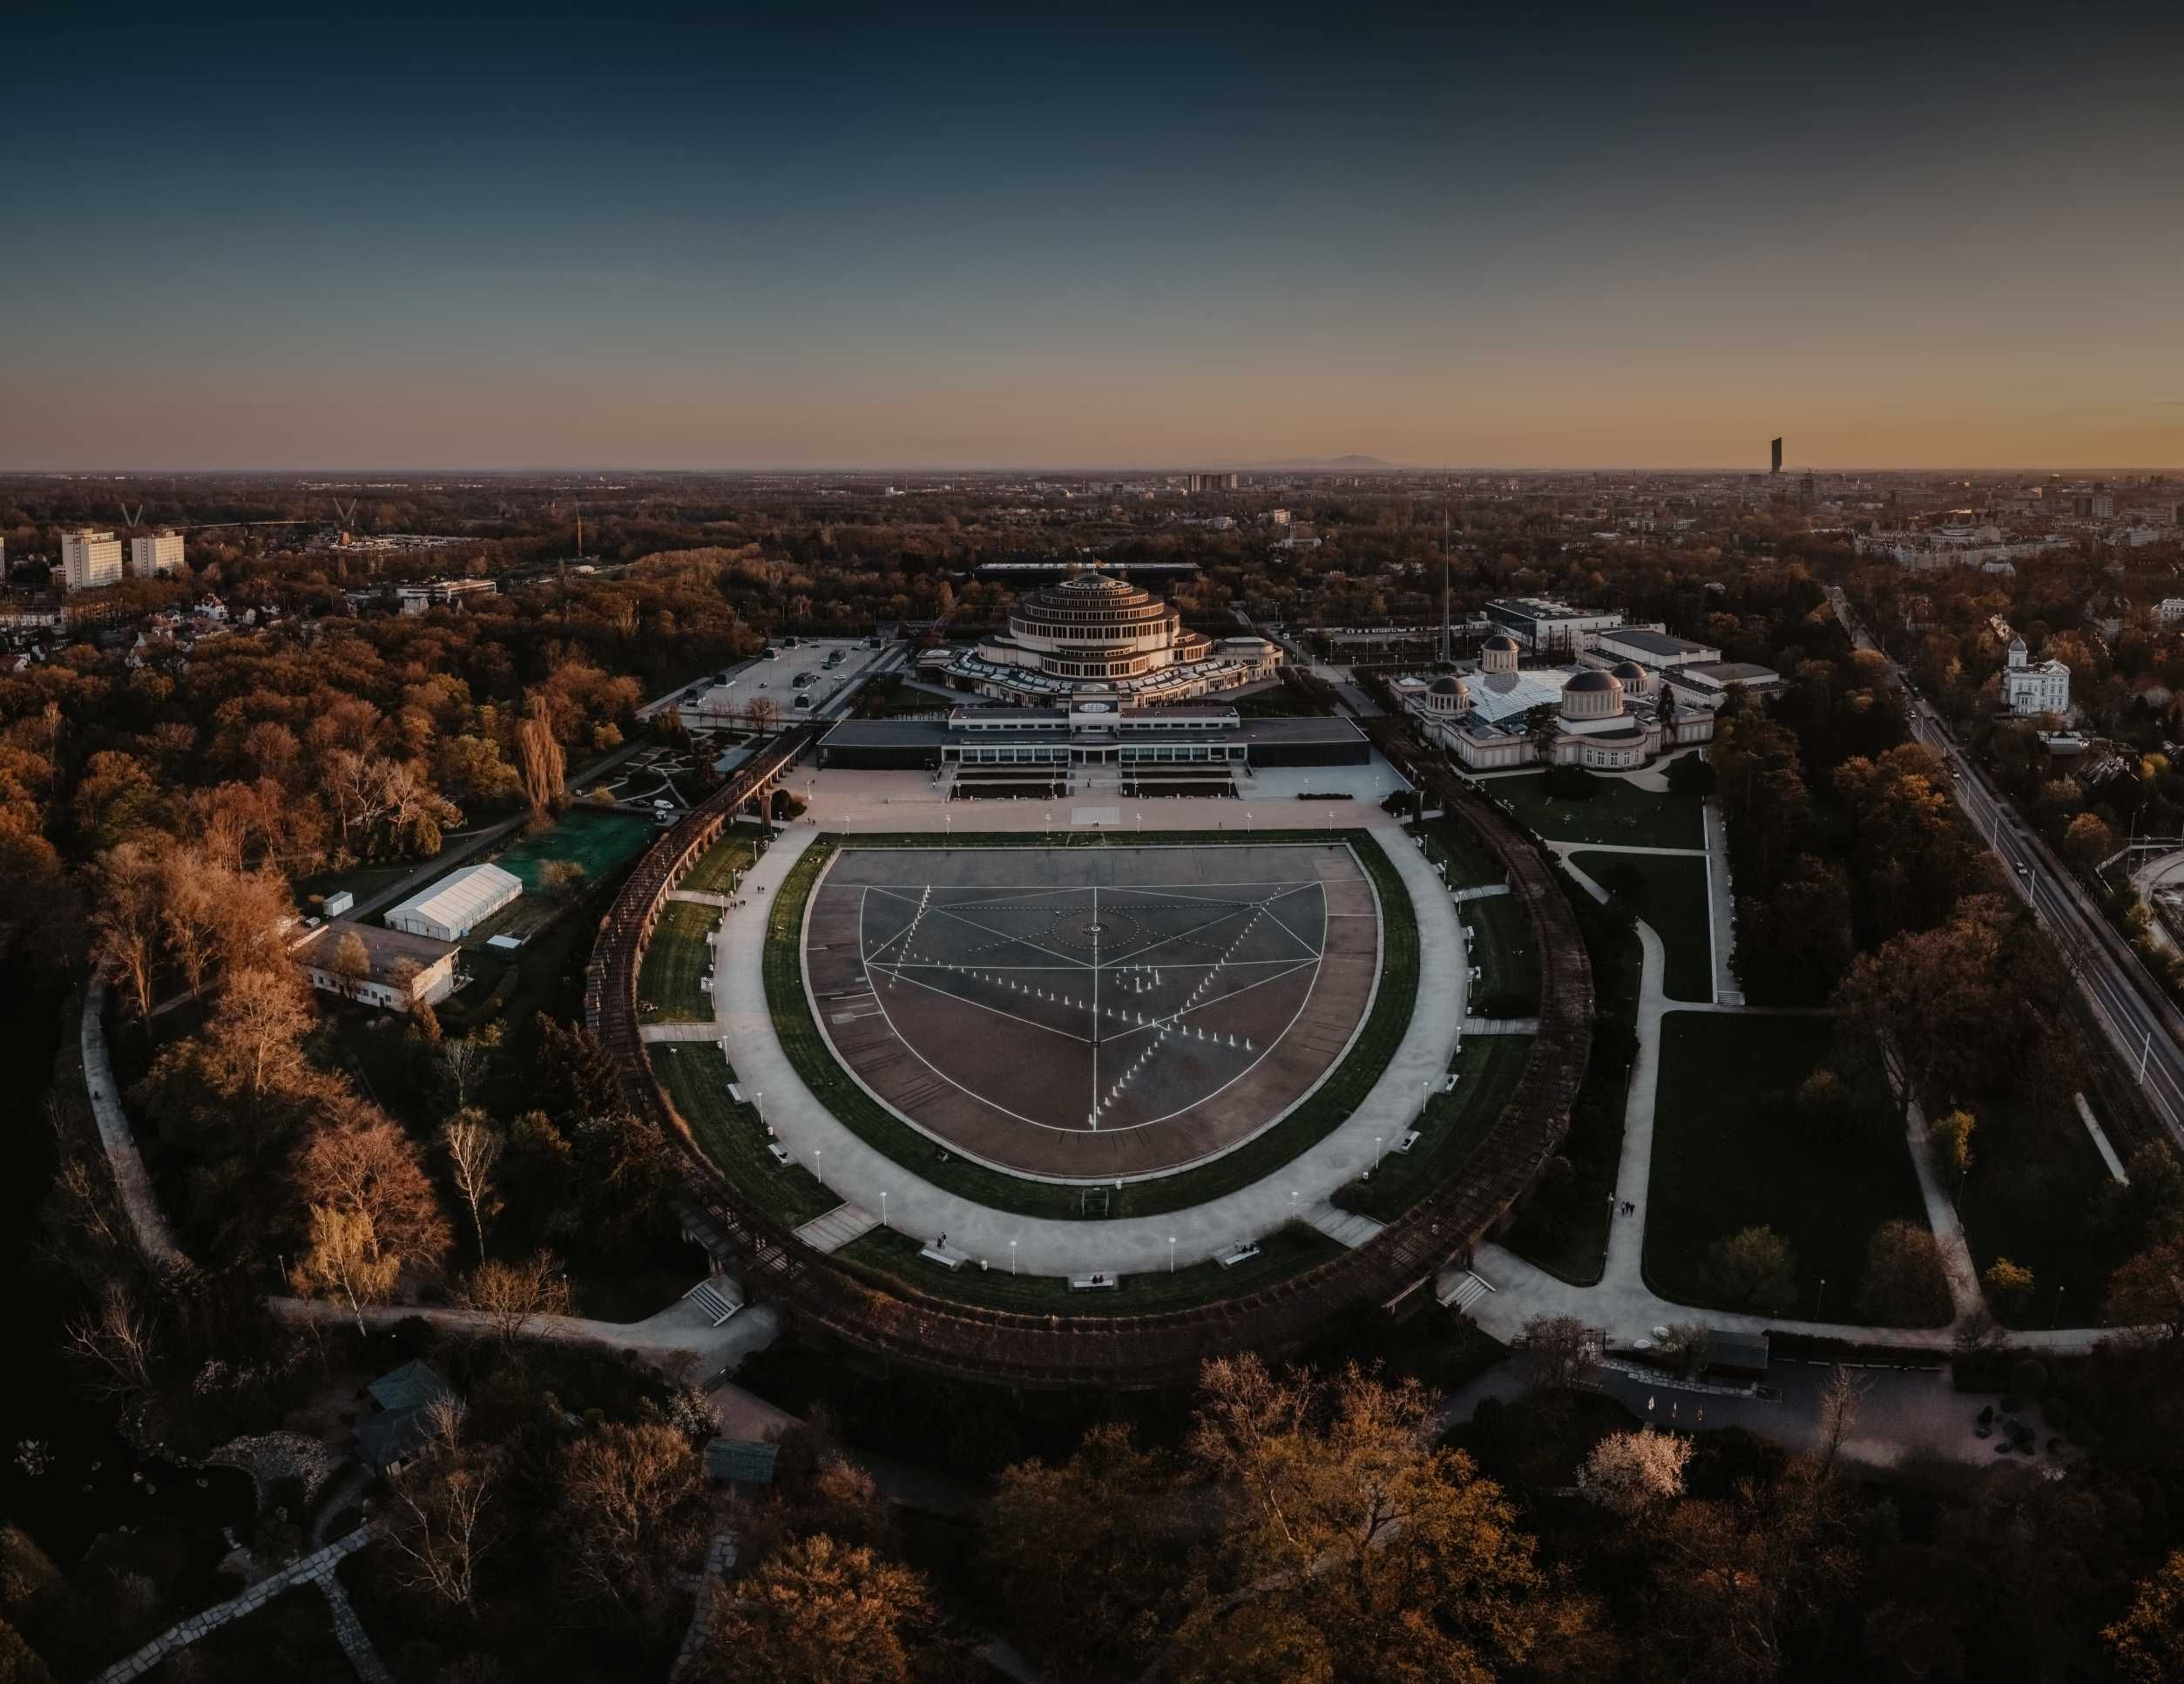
1011, 1257
758, 1103
883, 1222
818, 1166
1820, 1309
1171, 1253
1376, 1152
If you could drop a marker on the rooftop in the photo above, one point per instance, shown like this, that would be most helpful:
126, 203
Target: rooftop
461, 897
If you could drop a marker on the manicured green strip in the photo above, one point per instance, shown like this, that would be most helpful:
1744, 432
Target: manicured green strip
1311, 1122
696, 1079
676, 959
1488, 1068
725, 860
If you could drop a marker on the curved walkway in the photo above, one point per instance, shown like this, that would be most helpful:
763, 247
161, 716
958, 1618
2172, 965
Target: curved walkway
131, 1180
861, 1173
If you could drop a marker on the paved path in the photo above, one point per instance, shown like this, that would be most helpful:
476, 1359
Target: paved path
679, 1337
1345, 1228
679, 1032
1721, 906
1049, 1246
316, 1567
1941, 1215
1501, 1025
2101, 1143
699, 897
131, 1180
837, 1228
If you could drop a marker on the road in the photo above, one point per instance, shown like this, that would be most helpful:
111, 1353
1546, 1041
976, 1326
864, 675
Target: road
2146, 1031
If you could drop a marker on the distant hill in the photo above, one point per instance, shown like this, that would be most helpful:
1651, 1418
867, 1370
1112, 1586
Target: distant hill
1342, 464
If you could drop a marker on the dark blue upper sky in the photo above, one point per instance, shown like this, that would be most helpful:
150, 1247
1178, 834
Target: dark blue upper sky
904, 236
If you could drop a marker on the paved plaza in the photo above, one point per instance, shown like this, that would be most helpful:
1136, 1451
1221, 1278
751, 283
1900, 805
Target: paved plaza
1082, 1014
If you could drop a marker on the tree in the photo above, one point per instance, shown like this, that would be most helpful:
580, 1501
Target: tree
2147, 1290
1904, 1284
1690, 776
127, 920
349, 963
1628, 1472
561, 876
19, 1662
1949, 1138
2088, 841
540, 760
2146, 1644
439, 1518
118, 1341
1754, 1269
256, 1031
1076, 1547
820, 1610
343, 1255
465, 1060
762, 715
631, 1508
1543, 725
1838, 1414
2010, 1284
1560, 1353
1353, 1535
358, 1163
512, 1295
473, 1147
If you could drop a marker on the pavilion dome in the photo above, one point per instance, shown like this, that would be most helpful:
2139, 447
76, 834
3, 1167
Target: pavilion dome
1592, 695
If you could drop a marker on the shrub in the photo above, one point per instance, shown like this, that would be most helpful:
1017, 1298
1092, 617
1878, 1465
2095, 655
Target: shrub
1572, 783
1691, 775
2028, 1378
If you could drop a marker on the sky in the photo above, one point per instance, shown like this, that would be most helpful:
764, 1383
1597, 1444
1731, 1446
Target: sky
256, 236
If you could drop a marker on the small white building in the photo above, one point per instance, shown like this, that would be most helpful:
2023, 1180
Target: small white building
398, 971
2030, 689
450, 909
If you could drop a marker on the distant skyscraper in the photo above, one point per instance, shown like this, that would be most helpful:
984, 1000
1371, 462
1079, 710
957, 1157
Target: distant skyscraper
1777, 468
89, 558
152, 554
1193, 484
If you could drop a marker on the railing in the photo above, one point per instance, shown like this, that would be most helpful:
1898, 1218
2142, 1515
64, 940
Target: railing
821, 1294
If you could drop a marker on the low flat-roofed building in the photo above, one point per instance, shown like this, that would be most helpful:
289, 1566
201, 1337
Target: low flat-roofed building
1546, 627
1709, 683
451, 908
1092, 734
1656, 650
391, 969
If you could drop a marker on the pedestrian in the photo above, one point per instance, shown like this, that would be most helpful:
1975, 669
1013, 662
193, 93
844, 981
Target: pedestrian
1702, 1415
1672, 1410
1649, 1405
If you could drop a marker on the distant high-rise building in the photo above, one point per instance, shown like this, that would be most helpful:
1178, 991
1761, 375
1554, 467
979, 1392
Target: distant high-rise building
89, 558
1807, 491
152, 554
1193, 484
1777, 468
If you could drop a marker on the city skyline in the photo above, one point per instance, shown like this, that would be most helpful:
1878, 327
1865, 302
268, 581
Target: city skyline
766, 242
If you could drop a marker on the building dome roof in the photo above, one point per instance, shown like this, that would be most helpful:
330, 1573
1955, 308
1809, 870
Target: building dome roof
1448, 687
1499, 641
1629, 674
1591, 680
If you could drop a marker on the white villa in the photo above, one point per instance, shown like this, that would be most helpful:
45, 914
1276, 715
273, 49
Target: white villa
2031, 689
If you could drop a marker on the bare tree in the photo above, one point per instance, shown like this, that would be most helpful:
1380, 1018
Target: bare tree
631, 1508
349, 964
116, 1340
1561, 1353
762, 715
440, 1511
473, 1147
360, 1164
465, 1059
190, 893
1838, 1414
512, 1295
258, 1028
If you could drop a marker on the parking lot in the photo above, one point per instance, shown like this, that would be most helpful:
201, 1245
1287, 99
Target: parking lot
791, 672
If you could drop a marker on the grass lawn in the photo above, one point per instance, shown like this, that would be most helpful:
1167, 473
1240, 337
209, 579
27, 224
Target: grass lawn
2035, 1174
891, 1253
1563, 1228
676, 960
1729, 1154
1617, 814
726, 859
1489, 1067
696, 1078
600, 843
1312, 1121
1503, 944
1669, 891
